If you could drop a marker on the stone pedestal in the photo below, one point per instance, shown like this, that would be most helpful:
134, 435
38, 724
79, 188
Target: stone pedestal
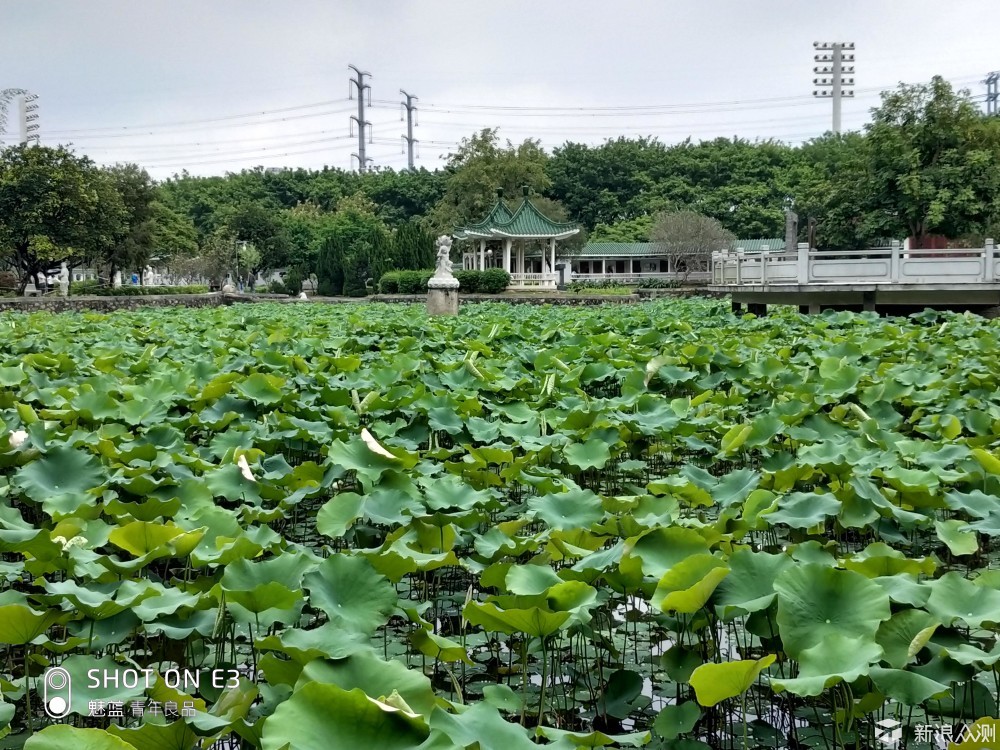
442, 296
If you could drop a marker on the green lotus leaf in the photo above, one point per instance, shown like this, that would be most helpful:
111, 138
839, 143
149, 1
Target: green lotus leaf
481, 725
673, 721
563, 738
62, 480
62, 736
903, 588
530, 579
966, 653
262, 388
354, 597
438, 647
592, 454
20, 623
679, 662
384, 505
687, 586
355, 456
989, 462
621, 695
112, 678
802, 510
958, 537
904, 634
954, 597
816, 602
879, 559
574, 509
907, 688
142, 538
714, 683
838, 658
176, 735
324, 642
749, 587
655, 552
533, 621
377, 678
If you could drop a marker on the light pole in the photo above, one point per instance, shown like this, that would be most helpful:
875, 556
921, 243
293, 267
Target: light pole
831, 57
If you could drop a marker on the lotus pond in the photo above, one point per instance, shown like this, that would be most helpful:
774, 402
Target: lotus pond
322, 527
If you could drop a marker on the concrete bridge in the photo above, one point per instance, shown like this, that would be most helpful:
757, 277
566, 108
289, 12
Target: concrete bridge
892, 280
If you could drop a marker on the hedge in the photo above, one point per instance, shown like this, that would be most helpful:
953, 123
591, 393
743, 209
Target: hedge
490, 281
81, 288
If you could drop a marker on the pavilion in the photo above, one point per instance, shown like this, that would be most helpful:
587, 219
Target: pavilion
536, 237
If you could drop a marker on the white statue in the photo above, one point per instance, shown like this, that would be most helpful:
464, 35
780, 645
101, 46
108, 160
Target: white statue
116, 282
147, 276
63, 280
443, 269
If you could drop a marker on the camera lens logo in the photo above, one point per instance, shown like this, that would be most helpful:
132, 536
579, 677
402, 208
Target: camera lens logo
57, 692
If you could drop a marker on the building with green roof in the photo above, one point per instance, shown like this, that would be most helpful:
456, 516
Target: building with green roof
527, 243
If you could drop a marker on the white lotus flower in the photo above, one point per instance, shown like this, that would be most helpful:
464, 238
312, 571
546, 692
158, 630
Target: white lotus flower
18, 438
245, 468
373, 444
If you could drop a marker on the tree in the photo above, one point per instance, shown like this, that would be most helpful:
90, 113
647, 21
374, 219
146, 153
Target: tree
330, 267
478, 168
627, 230
218, 255
366, 261
412, 248
172, 234
933, 163
255, 223
133, 248
688, 239
54, 207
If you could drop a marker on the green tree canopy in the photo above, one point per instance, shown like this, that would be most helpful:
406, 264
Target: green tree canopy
54, 207
933, 163
480, 166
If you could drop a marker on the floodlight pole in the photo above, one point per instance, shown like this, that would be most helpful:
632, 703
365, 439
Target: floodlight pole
836, 75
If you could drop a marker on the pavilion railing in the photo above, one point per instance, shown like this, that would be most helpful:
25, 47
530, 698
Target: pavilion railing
890, 265
533, 281
636, 277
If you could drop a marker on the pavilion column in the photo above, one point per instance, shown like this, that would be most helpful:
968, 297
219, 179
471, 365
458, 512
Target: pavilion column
552, 255
506, 255
520, 257
482, 255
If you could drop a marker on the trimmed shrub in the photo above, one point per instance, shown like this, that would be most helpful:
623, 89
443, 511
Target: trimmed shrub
94, 288
414, 282
389, 283
468, 281
493, 281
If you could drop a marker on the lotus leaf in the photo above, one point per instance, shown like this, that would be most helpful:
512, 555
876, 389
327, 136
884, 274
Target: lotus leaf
816, 602
714, 683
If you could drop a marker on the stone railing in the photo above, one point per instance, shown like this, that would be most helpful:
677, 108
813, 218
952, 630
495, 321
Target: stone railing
533, 281
890, 265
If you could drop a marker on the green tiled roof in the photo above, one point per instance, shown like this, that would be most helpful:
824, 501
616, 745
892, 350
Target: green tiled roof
755, 246
527, 221
653, 249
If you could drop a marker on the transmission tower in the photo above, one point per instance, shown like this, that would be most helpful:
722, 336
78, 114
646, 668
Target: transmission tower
991, 93
831, 57
358, 83
411, 110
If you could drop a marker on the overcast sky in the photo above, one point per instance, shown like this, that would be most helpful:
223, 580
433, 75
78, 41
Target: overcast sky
222, 85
